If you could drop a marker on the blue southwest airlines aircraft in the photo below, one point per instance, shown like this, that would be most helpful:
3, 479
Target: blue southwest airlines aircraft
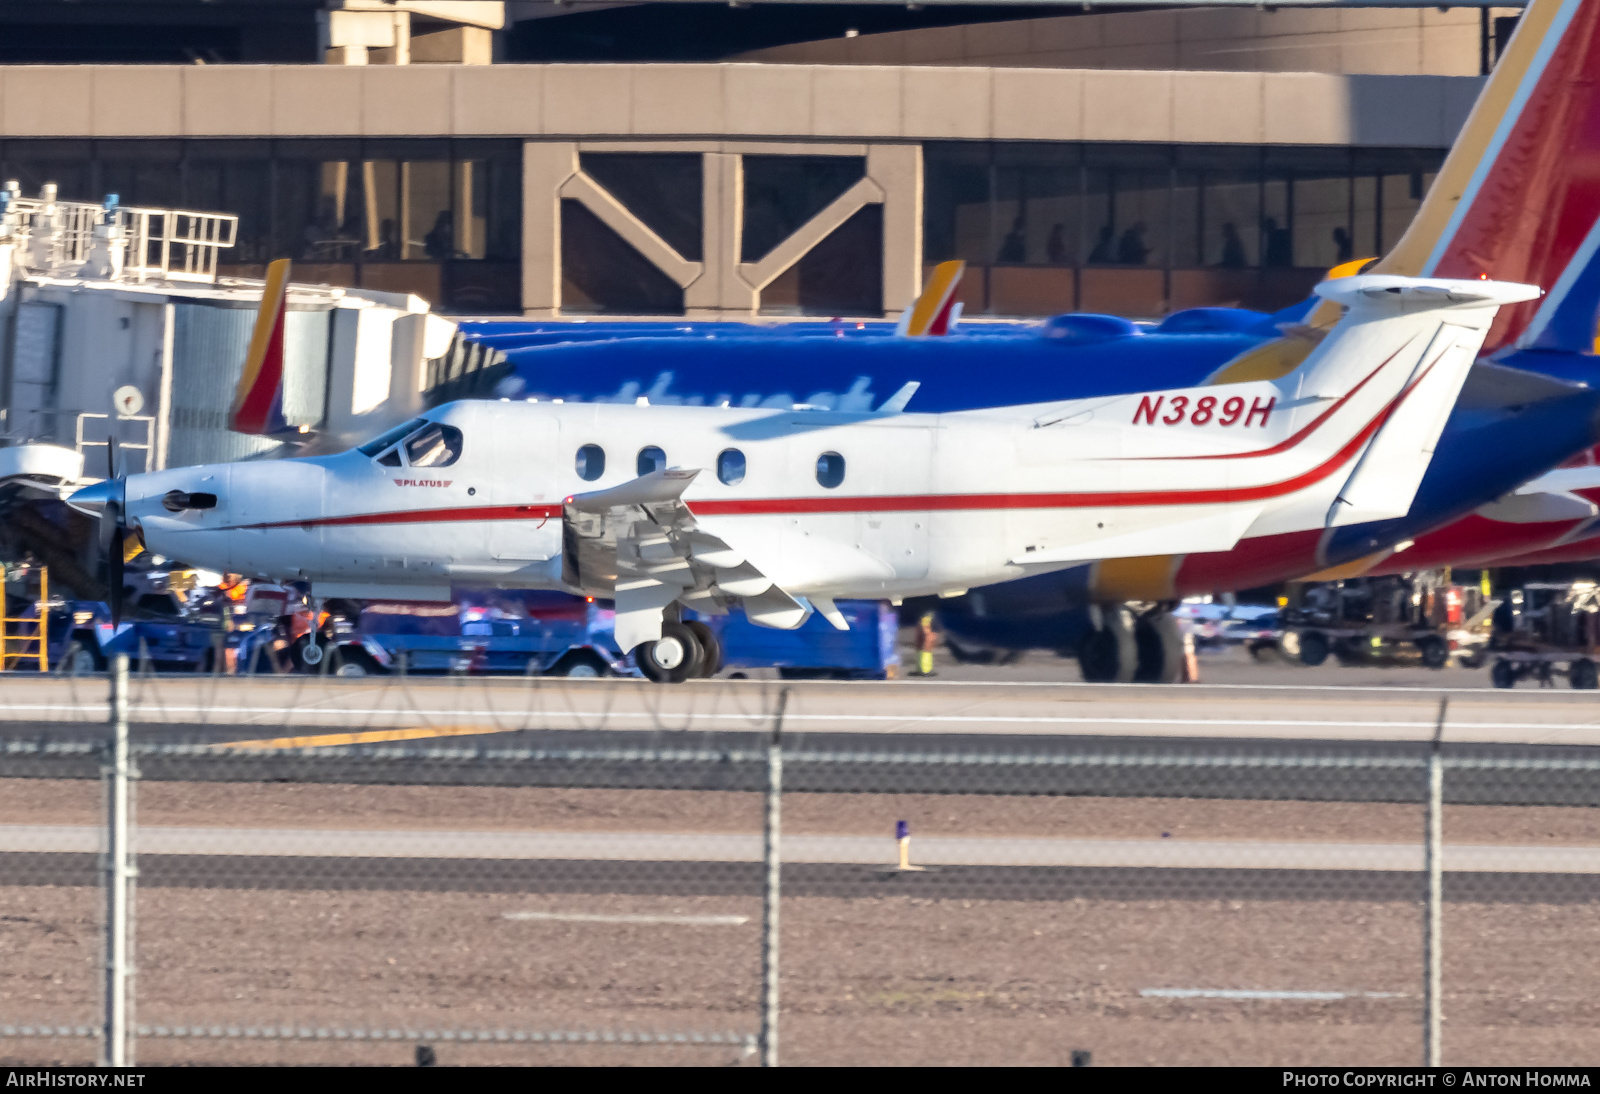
1517, 200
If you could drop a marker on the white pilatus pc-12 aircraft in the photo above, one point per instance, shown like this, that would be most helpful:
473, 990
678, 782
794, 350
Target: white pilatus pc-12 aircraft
782, 511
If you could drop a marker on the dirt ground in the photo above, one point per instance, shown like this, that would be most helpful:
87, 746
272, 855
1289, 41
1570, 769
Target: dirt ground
244, 805
888, 980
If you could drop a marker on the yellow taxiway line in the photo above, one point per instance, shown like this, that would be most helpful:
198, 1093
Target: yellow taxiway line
368, 737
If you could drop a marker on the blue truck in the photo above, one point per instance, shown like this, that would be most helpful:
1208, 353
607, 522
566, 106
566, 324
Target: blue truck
492, 631
153, 633
555, 634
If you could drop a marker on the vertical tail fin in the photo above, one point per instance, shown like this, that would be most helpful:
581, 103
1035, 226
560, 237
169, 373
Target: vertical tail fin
1519, 195
935, 310
1426, 333
258, 400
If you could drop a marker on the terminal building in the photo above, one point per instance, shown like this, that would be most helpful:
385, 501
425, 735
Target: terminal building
576, 160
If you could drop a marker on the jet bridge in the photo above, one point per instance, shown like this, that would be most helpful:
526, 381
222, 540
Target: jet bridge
117, 333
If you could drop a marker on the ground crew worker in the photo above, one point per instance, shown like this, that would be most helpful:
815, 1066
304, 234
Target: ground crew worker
927, 639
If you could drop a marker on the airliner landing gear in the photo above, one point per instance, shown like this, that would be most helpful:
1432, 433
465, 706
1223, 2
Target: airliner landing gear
1110, 653
1124, 648
1160, 642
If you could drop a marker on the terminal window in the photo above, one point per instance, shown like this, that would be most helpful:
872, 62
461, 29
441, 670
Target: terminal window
1146, 229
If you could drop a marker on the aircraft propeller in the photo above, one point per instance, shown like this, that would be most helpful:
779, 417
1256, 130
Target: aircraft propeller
114, 531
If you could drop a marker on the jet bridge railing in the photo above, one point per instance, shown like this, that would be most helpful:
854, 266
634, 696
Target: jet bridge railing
175, 244
135, 242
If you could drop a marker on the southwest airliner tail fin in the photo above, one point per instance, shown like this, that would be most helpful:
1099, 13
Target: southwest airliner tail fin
936, 309
1518, 197
1411, 341
258, 400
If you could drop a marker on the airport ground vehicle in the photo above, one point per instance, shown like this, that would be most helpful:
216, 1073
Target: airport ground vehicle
1215, 624
1544, 630
1360, 619
815, 650
155, 632
540, 632
489, 631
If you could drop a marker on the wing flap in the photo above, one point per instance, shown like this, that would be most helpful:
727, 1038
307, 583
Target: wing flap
638, 543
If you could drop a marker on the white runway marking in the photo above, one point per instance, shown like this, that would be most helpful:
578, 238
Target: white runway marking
878, 851
763, 720
646, 920
1230, 993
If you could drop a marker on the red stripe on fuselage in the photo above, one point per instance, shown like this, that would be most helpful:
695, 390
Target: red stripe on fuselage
902, 503
419, 516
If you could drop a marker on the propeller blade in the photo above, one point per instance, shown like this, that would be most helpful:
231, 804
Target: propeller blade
113, 543
116, 572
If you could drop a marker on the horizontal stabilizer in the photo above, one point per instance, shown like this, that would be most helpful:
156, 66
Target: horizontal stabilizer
1540, 507
1490, 386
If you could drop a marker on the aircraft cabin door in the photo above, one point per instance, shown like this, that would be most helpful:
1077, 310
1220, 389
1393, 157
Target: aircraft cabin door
526, 473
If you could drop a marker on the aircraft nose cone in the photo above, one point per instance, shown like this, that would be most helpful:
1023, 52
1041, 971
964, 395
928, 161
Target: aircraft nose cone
92, 499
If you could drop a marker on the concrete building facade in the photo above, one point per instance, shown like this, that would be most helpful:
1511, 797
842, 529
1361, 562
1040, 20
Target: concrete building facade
736, 188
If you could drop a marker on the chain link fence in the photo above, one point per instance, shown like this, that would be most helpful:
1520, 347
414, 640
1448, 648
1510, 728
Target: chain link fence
749, 895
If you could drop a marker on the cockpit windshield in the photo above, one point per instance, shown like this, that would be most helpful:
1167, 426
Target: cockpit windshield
388, 437
436, 446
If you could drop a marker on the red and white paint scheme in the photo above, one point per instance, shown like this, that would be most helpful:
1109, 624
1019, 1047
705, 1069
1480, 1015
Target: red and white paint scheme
784, 510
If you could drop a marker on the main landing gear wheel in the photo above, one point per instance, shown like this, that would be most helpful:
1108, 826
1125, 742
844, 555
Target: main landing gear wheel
672, 658
1110, 654
710, 649
1314, 648
1160, 649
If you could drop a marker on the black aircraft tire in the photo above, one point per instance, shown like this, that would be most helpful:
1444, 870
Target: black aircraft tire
673, 658
1110, 654
1160, 646
1314, 648
710, 649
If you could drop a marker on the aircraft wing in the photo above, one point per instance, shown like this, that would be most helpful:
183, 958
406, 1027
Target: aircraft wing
639, 544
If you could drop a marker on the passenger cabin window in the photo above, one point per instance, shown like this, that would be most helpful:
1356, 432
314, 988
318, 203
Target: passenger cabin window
591, 462
730, 467
436, 446
830, 469
388, 437
651, 459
